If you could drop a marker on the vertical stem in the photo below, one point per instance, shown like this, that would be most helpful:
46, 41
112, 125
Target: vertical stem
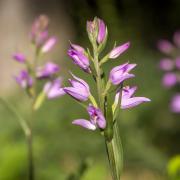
113, 143
30, 156
115, 154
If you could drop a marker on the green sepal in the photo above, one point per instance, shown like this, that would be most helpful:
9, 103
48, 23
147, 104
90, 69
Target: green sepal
39, 100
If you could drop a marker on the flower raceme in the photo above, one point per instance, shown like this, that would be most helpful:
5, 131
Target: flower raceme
79, 89
103, 114
170, 65
33, 72
97, 119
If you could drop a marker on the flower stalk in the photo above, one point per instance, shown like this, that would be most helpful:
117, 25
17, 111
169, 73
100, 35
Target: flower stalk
103, 114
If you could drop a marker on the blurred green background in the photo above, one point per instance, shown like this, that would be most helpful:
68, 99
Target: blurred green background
150, 133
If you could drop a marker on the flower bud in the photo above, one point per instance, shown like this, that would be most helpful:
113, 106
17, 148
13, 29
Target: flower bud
117, 51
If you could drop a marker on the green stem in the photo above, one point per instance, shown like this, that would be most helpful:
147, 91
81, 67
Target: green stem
30, 156
115, 154
111, 133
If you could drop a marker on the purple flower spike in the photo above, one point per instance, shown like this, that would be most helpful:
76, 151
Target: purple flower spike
79, 90
176, 38
175, 103
54, 89
127, 101
166, 64
169, 79
119, 73
24, 79
177, 62
76, 53
19, 57
96, 119
165, 46
101, 31
49, 44
117, 51
48, 70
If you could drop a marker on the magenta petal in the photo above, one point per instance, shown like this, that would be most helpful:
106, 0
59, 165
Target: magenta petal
176, 38
166, 64
165, 46
19, 57
49, 44
175, 103
128, 92
169, 79
53, 89
117, 51
84, 123
132, 102
101, 31
78, 94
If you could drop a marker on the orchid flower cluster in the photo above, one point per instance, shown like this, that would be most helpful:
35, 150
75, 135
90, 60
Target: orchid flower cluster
80, 90
170, 65
32, 73
102, 112
35, 74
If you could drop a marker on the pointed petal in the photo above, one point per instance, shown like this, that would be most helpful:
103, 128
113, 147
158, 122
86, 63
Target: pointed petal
132, 102
127, 92
84, 123
119, 50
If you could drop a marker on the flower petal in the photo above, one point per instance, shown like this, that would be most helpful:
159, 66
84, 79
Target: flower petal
84, 123
132, 102
118, 50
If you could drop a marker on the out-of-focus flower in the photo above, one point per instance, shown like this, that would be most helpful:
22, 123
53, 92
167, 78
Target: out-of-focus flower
175, 103
169, 79
54, 89
79, 90
117, 51
119, 73
96, 119
76, 53
165, 46
176, 38
24, 79
101, 31
19, 57
166, 64
49, 44
39, 31
177, 62
47, 70
127, 101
